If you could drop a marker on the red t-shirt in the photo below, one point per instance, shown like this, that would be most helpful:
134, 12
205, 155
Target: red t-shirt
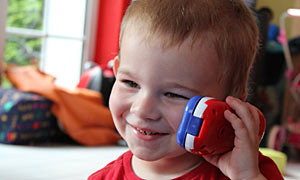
121, 169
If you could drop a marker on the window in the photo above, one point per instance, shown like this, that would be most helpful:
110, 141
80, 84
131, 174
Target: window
56, 35
3, 14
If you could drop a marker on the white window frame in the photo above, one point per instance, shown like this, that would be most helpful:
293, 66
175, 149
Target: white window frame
88, 39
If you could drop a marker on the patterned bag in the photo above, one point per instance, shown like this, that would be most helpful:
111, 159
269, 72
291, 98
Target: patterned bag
25, 118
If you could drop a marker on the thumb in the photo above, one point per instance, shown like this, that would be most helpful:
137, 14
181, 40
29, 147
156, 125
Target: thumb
212, 159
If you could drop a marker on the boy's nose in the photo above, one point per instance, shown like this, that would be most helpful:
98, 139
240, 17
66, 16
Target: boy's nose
146, 107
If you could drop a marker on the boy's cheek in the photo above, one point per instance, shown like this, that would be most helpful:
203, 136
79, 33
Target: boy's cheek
117, 102
111, 98
175, 117
114, 101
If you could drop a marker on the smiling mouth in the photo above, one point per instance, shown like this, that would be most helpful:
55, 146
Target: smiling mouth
149, 132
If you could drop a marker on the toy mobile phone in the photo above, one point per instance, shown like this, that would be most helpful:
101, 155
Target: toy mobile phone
204, 129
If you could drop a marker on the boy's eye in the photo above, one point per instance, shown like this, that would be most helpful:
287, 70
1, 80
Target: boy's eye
173, 95
131, 84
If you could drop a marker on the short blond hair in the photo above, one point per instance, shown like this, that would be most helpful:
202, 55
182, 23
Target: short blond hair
228, 24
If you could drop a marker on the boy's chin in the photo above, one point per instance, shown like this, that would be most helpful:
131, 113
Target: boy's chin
147, 154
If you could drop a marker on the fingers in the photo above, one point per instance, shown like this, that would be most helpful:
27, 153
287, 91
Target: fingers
239, 127
255, 120
212, 159
245, 120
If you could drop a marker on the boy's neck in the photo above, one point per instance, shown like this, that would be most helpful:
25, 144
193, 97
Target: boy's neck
167, 168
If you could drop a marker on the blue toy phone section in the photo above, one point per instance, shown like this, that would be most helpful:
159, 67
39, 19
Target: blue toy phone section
190, 124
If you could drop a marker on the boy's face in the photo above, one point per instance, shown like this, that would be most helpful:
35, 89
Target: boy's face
152, 88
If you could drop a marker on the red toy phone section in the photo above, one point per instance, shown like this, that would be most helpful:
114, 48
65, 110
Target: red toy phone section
204, 129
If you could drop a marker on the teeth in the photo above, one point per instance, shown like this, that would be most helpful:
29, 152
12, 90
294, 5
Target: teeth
147, 132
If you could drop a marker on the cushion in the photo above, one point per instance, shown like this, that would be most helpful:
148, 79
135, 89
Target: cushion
80, 111
25, 118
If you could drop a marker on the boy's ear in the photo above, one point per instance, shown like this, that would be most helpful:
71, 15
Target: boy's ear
116, 65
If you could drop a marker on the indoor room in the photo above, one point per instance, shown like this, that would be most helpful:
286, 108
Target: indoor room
59, 61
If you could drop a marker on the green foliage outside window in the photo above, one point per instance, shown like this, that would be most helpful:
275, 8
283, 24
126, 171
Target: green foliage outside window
23, 14
27, 14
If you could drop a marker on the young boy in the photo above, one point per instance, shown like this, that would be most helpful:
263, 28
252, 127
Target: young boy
170, 51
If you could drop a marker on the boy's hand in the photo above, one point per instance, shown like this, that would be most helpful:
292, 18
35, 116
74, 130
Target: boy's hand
242, 161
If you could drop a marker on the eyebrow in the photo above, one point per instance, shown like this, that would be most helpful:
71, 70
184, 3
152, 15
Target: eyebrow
170, 84
177, 85
123, 71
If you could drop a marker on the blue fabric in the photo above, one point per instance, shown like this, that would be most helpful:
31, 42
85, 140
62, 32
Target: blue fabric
25, 118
